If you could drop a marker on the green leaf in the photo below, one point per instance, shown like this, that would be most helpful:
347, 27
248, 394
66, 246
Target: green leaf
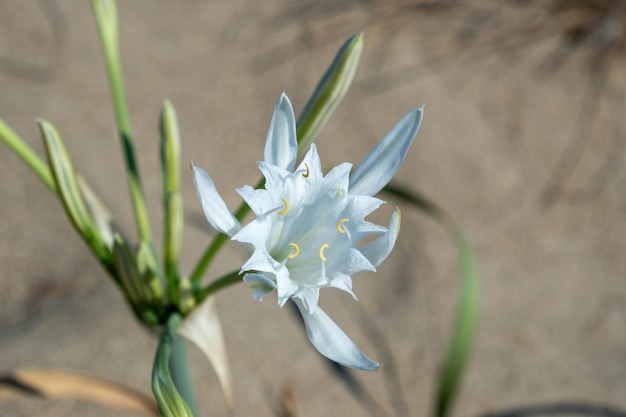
468, 305
170, 149
65, 180
149, 273
127, 273
172, 201
329, 91
169, 400
103, 220
137, 279
25, 152
106, 17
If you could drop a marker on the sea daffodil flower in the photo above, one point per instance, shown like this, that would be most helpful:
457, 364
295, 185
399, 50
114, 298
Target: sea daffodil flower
309, 227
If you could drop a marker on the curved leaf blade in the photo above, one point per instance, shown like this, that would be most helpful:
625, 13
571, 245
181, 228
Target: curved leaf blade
53, 384
468, 305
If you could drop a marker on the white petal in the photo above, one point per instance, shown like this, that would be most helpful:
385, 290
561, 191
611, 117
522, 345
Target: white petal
312, 161
383, 161
285, 287
281, 147
332, 342
214, 207
354, 262
361, 205
309, 298
274, 176
259, 261
260, 285
337, 181
260, 201
377, 250
255, 233
343, 282
203, 328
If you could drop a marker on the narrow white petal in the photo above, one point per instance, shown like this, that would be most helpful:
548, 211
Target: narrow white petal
383, 161
203, 328
377, 250
260, 285
213, 206
281, 147
332, 342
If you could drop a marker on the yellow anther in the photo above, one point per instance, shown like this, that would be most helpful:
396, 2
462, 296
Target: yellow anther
339, 190
308, 172
322, 249
339, 224
286, 209
296, 251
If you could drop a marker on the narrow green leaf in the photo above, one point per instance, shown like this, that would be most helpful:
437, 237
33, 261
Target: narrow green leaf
172, 201
25, 152
106, 18
65, 180
170, 149
329, 91
468, 305
169, 400
127, 273
138, 281
98, 211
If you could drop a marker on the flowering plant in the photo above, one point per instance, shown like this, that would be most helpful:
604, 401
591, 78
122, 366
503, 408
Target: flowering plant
308, 226
309, 232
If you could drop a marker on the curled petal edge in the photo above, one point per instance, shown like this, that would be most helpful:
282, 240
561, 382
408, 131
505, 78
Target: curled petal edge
332, 342
260, 285
377, 250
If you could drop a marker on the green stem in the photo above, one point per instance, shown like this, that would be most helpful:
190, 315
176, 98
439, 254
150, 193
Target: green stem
26, 153
220, 283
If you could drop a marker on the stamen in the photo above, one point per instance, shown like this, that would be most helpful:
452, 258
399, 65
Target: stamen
322, 249
296, 250
286, 209
339, 224
307, 173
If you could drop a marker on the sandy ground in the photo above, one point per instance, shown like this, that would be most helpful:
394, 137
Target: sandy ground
495, 129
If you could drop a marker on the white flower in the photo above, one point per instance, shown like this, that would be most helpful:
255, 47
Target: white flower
308, 228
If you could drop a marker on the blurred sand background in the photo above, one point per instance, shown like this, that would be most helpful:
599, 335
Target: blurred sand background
508, 110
